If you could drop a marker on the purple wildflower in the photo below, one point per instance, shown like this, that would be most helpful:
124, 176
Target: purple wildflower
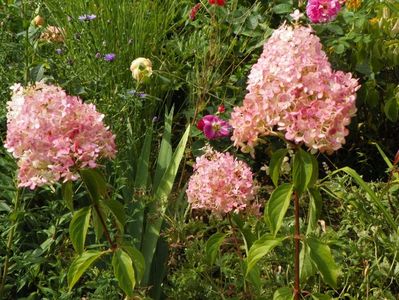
213, 127
58, 51
109, 56
87, 17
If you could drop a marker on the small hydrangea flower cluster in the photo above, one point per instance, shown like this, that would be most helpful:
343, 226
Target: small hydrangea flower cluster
321, 11
214, 127
220, 183
53, 134
293, 89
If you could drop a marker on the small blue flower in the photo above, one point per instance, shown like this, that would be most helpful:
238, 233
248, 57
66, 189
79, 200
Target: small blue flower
109, 57
87, 17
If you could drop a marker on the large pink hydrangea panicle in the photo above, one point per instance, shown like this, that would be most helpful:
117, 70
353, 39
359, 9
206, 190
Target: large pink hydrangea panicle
292, 90
322, 11
53, 135
220, 183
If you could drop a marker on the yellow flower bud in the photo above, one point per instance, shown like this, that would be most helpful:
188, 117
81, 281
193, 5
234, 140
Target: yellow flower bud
141, 68
38, 21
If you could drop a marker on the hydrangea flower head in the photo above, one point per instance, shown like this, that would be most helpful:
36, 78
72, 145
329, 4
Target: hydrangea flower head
213, 127
321, 11
293, 90
220, 183
53, 135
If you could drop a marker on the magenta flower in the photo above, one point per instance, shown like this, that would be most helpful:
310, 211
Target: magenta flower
213, 127
321, 11
53, 135
220, 183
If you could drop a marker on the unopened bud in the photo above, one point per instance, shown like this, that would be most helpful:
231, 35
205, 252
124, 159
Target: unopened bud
38, 21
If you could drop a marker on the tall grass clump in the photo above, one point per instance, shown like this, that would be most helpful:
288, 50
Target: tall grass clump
102, 38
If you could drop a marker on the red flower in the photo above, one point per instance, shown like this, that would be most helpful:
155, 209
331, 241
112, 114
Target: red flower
221, 109
217, 2
194, 10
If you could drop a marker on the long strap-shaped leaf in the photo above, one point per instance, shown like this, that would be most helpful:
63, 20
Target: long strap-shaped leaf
153, 228
136, 208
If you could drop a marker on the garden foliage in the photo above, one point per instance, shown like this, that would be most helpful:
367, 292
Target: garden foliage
213, 149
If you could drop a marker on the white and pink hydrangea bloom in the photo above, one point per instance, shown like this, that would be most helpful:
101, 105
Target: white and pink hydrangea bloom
53, 135
322, 11
220, 183
292, 89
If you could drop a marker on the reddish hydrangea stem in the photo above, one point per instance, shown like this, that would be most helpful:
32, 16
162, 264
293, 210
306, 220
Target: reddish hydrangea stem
106, 232
297, 238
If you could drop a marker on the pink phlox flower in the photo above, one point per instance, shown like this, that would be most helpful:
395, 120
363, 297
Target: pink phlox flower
213, 127
321, 11
293, 89
220, 183
52, 135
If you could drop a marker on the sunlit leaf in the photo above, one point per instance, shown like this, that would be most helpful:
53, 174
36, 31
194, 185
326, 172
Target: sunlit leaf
124, 272
277, 206
80, 265
78, 228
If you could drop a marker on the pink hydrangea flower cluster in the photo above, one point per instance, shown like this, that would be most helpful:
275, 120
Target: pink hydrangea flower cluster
292, 89
220, 183
321, 11
53, 134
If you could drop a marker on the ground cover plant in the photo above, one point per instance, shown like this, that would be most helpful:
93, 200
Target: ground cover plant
213, 149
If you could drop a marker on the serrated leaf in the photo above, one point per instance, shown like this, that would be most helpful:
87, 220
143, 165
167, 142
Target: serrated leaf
318, 296
254, 277
275, 165
95, 183
284, 293
137, 258
213, 245
302, 170
97, 224
259, 249
283, 8
118, 211
320, 254
78, 228
306, 265
80, 265
391, 109
277, 206
124, 272
315, 171
315, 203
67, 194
